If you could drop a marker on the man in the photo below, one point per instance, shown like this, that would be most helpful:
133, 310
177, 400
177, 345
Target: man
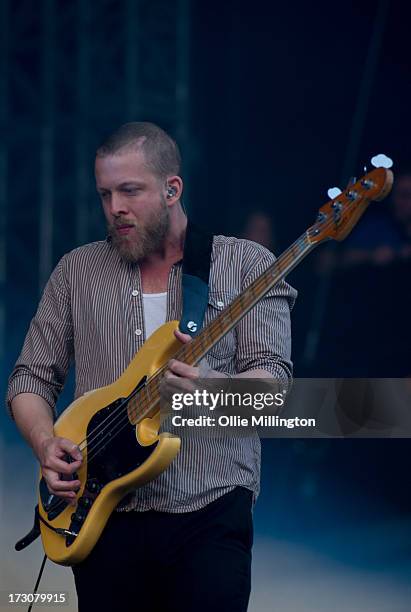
182, 542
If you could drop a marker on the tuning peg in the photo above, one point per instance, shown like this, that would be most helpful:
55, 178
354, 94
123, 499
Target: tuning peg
381, 161
334, 192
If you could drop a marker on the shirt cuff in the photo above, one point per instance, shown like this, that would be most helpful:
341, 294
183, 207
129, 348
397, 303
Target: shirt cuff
27, 383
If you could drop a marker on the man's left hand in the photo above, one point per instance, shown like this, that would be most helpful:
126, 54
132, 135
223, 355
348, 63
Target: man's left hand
180, 376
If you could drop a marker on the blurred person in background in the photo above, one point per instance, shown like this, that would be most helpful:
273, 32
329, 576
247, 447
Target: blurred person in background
259, 228
383, 236
364, 329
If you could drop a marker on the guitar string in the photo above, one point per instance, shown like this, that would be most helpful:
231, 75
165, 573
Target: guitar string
288, 254
289, 251
122, 417
310, 232
118, 413
143, 402
154, 379
285, 259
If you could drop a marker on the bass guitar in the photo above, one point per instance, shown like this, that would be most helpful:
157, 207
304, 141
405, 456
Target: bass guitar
117, 427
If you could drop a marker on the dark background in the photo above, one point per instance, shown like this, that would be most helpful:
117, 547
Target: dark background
272, 103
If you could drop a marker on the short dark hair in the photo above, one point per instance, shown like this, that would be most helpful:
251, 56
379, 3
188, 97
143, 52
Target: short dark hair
161, 152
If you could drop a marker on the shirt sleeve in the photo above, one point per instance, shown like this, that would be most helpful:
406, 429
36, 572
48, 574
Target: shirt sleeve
48, 347
264, 334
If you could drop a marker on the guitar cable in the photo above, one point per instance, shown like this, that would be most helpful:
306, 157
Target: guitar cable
58, 530
43, 563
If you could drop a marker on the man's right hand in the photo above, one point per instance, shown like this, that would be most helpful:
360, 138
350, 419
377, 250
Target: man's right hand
34, 418
52, 453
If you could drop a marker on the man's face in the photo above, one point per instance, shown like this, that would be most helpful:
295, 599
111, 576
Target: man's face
133, 203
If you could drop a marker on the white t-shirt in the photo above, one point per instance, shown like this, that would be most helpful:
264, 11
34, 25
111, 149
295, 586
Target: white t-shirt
155, 311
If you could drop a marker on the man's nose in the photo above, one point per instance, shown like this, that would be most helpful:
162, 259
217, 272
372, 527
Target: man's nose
118, 205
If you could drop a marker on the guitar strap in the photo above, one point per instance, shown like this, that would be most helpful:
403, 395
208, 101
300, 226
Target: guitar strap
196, 273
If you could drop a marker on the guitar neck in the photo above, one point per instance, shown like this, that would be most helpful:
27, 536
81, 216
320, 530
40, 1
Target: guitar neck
334, 221
193, 352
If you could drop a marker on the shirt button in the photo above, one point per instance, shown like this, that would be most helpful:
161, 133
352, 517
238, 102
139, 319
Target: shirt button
220, 304
134, 292
138, 332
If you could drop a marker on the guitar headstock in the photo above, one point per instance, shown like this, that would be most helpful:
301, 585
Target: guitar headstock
338, 216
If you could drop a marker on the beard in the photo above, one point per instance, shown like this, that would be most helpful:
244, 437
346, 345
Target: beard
143, 240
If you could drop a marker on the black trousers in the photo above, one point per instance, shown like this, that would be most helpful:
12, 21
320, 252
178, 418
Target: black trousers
166, 562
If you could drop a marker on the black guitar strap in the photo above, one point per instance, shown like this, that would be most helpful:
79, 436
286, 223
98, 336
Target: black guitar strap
196, 273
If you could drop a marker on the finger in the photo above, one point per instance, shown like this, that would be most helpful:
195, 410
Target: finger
186, 385
54, 482
183, 369
170, 385
170, 377
58, 465
177, 384
69, 447
69, 497
184, 338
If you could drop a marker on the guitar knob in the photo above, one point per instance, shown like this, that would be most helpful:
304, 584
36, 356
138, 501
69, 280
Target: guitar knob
381, 161
85, 502
93, 486
79, 515
334, 192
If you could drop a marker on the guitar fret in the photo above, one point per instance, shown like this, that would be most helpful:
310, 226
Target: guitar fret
222, 323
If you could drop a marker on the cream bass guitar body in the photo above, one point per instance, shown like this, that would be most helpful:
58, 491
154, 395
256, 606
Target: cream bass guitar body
121, 451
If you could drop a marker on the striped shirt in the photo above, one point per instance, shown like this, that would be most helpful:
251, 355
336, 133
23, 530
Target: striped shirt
91, 312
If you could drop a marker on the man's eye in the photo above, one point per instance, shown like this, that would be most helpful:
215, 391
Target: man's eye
133, 191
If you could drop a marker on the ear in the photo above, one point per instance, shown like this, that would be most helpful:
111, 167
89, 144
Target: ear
173, 189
